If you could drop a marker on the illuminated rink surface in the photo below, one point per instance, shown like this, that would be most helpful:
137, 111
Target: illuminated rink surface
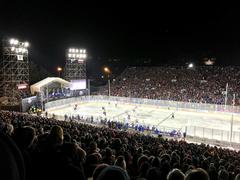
211, 125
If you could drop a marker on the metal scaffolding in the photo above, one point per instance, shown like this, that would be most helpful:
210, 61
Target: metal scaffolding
75, 66
14, 70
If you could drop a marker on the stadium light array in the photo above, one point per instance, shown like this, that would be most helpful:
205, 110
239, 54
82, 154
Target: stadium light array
74, 53
13, 41
18, 47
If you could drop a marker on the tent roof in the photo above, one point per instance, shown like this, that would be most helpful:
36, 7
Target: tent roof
37, 86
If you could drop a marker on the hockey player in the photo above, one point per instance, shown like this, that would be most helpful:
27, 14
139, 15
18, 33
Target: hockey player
75, 107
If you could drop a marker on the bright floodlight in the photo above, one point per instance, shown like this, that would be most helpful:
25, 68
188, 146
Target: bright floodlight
12, 41
15, 42
106, 70
26, 44
59, 69
13, 48
77, 53
190, 65
24, 50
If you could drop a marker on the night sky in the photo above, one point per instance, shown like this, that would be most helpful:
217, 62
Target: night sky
165, 32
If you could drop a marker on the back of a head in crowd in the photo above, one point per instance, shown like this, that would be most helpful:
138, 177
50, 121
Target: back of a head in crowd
108, 152
57, 134
120, 161
223, 175
67, 138
141, 160
237, 177
9, 129
70, 150
175, 174
153, 173
93, 147
24, 136
197, 174
156, 162
98, 170
113, 172
11, 160
6, 128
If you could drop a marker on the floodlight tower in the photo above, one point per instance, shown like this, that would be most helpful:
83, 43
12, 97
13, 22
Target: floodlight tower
75, 67
14, 69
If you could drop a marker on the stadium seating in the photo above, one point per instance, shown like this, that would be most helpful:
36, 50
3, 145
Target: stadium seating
203, 84
50, 149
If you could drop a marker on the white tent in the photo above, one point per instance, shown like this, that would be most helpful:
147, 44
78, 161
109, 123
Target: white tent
37, 87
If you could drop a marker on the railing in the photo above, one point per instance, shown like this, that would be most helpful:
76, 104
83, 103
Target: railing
193, 131
173, 104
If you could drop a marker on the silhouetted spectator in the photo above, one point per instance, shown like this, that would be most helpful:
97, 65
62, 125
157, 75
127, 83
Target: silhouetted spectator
113, 172
175, 174
197, 174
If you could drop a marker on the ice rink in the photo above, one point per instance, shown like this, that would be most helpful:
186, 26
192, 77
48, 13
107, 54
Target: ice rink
211, 125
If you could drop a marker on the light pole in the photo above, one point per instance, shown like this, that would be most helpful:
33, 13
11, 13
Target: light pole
226, 97
109, 89
107, 71
89, 90
59, 69
231, 126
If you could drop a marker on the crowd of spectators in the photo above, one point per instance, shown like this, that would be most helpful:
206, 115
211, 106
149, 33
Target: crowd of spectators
34, 147
203, 84
125, 126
